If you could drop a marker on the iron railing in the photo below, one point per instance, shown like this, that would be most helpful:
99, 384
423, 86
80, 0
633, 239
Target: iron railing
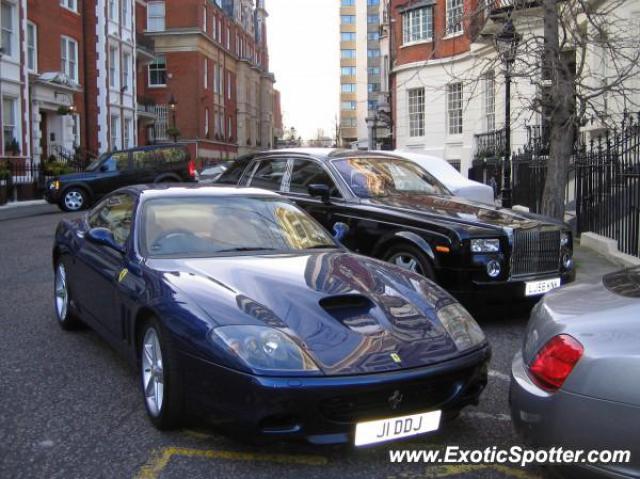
490, 145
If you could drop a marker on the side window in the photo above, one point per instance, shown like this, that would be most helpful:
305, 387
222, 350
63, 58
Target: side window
234, 173
269, 174
174, 155
116, 162
307, 173
141, 160
115, 214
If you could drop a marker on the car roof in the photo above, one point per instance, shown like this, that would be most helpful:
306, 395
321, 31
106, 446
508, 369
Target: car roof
327, 154
169, 190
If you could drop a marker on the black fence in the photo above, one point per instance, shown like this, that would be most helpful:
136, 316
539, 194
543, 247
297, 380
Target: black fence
607, 174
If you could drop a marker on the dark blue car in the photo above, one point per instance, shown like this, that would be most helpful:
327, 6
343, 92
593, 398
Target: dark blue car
238, 307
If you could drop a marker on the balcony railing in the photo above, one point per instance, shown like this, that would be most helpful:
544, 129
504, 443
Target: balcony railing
145, 43
490, 145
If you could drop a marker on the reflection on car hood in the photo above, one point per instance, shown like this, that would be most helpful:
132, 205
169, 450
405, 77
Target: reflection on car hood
349, 312
456, 209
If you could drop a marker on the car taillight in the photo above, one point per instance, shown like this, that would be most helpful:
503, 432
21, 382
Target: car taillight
555, 361
192, 168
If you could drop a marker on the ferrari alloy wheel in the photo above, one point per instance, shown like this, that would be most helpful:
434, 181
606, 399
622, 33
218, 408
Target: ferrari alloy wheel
74, 199
410, 258
61, 298
160, 386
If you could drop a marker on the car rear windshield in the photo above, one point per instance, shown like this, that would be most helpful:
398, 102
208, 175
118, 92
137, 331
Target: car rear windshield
625, 283
223, 225
376, 177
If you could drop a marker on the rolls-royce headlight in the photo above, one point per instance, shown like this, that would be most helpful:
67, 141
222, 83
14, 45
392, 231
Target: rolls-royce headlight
264, 348
464, 330
564, 239
485, 245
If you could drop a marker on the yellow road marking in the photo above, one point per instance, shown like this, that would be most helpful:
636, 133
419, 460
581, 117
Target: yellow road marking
160, 459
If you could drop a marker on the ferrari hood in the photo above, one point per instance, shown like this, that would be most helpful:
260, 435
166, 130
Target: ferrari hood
350, 313
459, 210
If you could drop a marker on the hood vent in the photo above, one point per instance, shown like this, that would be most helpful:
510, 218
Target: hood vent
353, 311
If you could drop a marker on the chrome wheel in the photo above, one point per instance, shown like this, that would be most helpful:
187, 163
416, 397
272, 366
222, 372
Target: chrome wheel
406, 261
61, 293
74, 200
152, 372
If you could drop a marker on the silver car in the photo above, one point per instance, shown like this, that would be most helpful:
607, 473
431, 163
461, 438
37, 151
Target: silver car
576, 382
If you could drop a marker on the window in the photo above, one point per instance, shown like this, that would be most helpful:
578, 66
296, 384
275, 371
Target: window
490, 101
347, 3
348, 19
373, 71
128, 132
373, 52
116, 216
373, 3
205, 19
113, 10
373, 36
373, 87
228, 40
348, 36
348, 71
214, 28
115, 132
416, 111
206, 73
217, 80
9, 42
69, 57
269, 174
305, 173
126, 71
158, 72
454, 108
70, 5
373, 19
114, 67
455, 10
348, 88
155, 16
32, 47
349, 122
347, 53
229, 86
417, 25
229, 127
349, 105
9, 120
206, 123
372, 105
126, 13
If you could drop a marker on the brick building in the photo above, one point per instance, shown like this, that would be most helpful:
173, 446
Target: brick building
89, 76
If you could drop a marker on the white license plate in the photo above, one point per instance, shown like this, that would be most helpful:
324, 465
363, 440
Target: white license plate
540, 287
383, 430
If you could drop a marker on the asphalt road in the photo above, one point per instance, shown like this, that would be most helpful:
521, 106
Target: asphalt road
71, 408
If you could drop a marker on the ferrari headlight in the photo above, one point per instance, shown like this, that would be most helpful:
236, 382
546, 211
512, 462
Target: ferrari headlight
485, 245
464, 330
264, 348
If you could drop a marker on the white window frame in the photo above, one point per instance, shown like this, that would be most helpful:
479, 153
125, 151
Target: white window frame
156, 22
417, 26
206, 73
32, 49
455, 96
229, 86
205, 19
206, 122
11, 30
67, 45
71, 5
489, 81
416, 102
149, 69
115, 130
455, 14
126, 14
114, 67
14, 124
114, 10
127, 137
126, 71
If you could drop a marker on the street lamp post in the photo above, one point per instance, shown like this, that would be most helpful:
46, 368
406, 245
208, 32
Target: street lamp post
372, 124
172, 106
506, 43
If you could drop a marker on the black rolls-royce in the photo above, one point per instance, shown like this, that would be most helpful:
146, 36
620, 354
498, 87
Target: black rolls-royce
398, 212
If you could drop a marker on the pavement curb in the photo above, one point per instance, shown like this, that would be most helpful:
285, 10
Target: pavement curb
609, 248
22, 204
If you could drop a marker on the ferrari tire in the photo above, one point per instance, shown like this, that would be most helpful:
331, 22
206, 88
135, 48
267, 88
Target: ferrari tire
159, 377
62, 298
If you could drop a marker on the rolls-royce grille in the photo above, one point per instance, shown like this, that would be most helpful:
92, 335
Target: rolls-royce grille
535, 251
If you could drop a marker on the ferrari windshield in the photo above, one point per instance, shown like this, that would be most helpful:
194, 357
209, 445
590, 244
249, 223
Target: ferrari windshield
218, 225
376, 176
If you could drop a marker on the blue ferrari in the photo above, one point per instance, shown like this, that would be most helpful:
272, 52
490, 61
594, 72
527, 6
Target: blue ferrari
238, 308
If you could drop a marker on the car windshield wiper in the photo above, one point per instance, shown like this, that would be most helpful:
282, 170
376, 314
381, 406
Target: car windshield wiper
245, 248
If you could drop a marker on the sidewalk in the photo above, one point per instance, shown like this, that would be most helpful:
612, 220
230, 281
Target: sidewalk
24, 209
590, 265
